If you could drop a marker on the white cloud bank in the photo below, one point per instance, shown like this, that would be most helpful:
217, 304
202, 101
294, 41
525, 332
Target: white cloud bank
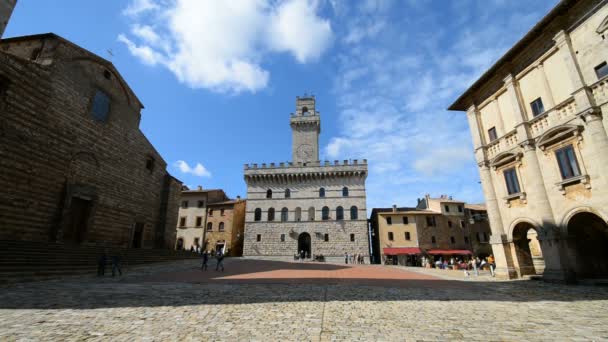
198, 170
221, 45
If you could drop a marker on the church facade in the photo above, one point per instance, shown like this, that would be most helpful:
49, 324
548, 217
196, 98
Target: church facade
306, 204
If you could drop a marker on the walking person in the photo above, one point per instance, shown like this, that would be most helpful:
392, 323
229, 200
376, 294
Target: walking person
205, 260
492, 264
474, 264
220, 261
346, 258
116, 259
101, 264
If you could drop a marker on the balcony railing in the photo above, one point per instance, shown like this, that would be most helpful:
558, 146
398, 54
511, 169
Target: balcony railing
600, 91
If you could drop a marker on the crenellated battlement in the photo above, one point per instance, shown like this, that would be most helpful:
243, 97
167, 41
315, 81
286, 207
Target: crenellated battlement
318, 163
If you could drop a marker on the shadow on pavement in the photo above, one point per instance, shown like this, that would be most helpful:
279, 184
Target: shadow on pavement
255, 281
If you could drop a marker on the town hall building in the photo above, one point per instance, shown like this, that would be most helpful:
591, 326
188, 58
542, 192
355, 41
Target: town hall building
306, 205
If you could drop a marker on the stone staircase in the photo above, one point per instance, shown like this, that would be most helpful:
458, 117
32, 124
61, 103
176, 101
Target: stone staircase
31, 261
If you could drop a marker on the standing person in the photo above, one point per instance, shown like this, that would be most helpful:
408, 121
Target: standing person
220, 261
474, 265
116, 259
302, 255
492, 264
101, 264
205, 260
346, 257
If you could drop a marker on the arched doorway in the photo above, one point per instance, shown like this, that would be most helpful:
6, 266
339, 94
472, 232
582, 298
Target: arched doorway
527, 250
589, 239
304, 244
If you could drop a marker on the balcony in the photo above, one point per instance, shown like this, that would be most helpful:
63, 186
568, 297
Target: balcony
600, 91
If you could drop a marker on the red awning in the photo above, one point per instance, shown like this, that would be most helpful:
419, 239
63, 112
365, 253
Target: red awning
402, 251
449, 252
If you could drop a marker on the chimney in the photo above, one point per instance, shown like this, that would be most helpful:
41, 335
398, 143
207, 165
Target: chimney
394, 208
200, 187
238, 198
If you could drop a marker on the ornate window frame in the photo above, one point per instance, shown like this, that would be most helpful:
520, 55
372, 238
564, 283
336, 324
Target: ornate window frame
559, 137
507, 160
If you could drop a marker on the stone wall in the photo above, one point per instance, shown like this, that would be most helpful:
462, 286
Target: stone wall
6, 9
55, 155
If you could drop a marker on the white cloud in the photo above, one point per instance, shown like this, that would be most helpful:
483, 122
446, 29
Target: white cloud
137, 7
198, 170
221, 45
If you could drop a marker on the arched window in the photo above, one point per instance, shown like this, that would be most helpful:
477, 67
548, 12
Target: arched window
257, 216
268, 193
271, 214
221, 228
287, 193
354, 214
322, 192
284, 215
298, 214
311, 214
325, 213
209, 226
344, 192
339, 213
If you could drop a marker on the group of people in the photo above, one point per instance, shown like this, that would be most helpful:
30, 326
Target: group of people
473, 264
102, 261
354, 258
219, 257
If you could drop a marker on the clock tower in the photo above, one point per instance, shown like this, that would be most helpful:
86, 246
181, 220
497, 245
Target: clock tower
305, 128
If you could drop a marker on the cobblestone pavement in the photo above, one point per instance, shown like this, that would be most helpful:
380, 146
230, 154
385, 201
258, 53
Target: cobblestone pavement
269, 301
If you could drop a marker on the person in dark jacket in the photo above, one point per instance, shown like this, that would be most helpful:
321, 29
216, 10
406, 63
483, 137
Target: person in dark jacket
116, 260
205, 260
101, 264
220, 261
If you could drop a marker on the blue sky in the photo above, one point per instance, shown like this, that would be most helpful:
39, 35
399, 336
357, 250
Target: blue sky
219, 79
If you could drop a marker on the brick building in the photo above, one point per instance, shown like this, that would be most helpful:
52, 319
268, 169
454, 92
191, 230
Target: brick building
436, 227
75, 167
6, 9
225, 229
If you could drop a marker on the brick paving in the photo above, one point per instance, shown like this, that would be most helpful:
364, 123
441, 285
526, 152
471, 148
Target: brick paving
261, 301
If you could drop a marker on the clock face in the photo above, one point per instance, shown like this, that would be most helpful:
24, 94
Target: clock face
305, 151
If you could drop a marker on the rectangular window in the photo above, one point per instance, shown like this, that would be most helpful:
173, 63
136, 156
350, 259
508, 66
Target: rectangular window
537, 107
201, 204
492, 134
601, 70
282, 237
100, 106
182, 221
511, 180
352, 237
150, 164
447, 208
462, 224
407, 236
389, 220
459, 208
568, 166
222, 212
210, 212
184, 204
326, 237
452, 239
258, 238
390, 236
450, 224
433, 240
199, 221
405, 220
466, 239
196, 241
430, 221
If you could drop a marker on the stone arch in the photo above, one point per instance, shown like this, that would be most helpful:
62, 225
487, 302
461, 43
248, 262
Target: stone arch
582, 209
587, 243
109, 67
519, 220
526, 248
505, 158
557, 134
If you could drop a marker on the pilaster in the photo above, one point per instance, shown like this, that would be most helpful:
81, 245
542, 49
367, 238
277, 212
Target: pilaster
582, 95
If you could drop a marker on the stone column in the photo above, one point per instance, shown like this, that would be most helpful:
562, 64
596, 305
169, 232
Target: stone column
582, 94
475, 126
504, 268
538, 203
550, 102
518, 109
596, 141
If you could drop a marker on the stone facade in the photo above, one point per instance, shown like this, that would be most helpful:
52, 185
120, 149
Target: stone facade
306, 204
192, 215
76, 168
538, 120
225, 229
432, 229
6, 9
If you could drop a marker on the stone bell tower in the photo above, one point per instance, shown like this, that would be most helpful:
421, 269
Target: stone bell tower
305, 128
